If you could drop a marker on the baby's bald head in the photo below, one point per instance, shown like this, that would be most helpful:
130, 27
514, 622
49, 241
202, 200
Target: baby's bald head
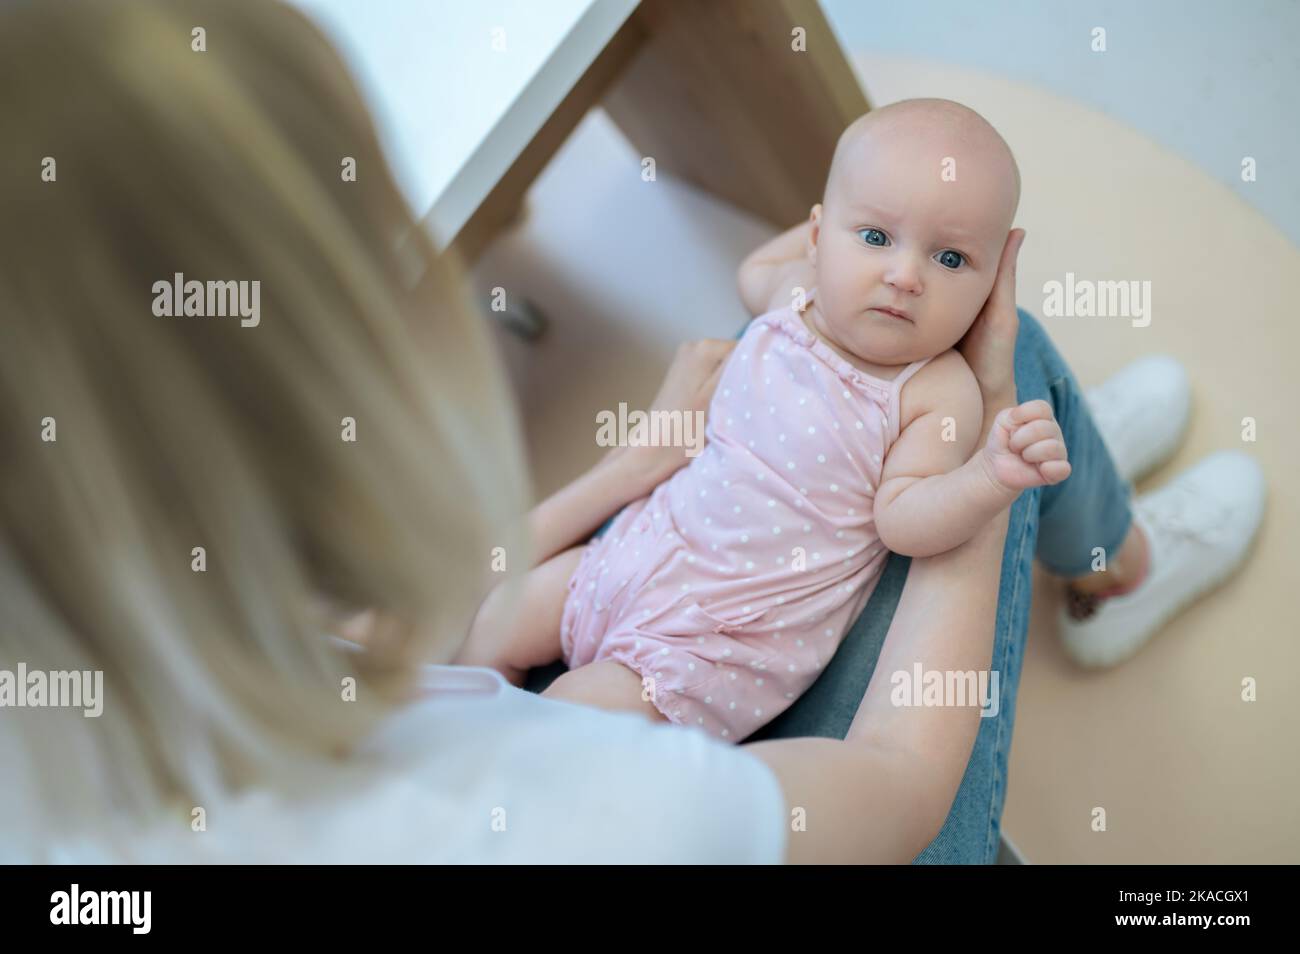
907, 241
934, 129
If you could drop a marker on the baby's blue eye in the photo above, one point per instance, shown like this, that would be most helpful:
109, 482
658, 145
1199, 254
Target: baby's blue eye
873, 236
950, 259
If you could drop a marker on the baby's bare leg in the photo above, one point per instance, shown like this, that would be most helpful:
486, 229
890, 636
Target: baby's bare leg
512, 638
606, 684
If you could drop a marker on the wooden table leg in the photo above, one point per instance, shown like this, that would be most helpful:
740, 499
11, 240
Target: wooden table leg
721, 94
504, 205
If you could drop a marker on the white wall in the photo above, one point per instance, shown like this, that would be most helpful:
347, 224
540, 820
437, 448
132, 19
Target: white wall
1211, 80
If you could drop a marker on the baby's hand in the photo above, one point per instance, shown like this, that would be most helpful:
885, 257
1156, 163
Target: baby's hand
1025, 448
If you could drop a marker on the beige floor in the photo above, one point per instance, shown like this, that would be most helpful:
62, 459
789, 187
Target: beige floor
1186, 771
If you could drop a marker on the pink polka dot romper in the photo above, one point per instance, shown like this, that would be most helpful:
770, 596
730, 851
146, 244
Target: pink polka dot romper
731, 585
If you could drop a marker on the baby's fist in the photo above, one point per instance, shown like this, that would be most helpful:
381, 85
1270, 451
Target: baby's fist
1025, 448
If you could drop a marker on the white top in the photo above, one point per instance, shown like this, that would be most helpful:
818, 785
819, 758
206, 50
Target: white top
483, 772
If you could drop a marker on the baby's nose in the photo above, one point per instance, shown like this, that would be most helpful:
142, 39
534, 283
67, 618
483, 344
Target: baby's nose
904, 275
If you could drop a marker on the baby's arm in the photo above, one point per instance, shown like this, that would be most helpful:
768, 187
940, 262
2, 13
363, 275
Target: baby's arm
933, 494
768, 276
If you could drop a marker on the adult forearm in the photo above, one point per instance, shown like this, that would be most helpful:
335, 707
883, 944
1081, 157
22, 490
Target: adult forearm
944, 622
573, 513
904, 764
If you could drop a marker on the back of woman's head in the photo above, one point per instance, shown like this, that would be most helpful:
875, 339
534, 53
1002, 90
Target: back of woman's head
348, 446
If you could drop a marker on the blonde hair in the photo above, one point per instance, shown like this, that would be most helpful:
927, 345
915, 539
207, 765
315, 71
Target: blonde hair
179, 432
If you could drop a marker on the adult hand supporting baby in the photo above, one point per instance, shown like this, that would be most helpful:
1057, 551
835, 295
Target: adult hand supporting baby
989, 346
1019, 439
632, 470
688, 387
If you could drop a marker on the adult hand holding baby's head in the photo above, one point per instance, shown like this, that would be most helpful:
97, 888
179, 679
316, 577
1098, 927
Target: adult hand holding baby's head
989, 346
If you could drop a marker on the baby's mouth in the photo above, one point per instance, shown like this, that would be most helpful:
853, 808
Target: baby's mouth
892, 312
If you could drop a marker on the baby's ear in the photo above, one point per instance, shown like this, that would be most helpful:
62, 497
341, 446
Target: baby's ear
814, 231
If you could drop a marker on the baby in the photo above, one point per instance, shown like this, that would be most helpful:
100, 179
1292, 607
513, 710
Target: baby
843, 426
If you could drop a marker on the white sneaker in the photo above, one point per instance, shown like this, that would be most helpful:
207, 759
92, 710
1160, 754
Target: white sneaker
1142, 413
1198, 528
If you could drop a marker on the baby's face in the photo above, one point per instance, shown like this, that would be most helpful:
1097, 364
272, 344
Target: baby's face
896, 233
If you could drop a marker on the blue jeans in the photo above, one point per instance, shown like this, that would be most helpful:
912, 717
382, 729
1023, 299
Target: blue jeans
1060, 525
